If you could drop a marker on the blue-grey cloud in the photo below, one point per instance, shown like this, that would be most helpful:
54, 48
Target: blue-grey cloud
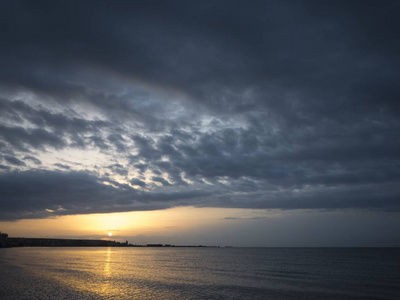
74, 192
61, 166
273, 105
32, 159
14, 161
138, 182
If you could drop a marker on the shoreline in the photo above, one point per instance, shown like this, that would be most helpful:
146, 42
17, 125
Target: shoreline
12, 242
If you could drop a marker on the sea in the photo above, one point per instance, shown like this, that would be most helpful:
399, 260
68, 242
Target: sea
199, 273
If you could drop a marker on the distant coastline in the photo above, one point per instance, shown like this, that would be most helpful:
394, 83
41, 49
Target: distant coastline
49, 242
8, 242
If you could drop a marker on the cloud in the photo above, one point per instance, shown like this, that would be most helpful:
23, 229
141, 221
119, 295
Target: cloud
65, 167
21, 138
14, 161
118, 169
160, 180
41, 193
240, 218
138, 182
32, 159
274, 105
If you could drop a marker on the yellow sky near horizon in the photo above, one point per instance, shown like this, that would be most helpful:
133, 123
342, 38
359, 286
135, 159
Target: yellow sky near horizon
178, 219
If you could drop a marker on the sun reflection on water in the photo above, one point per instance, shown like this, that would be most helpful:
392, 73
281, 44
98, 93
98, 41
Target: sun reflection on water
106, 287
107, 271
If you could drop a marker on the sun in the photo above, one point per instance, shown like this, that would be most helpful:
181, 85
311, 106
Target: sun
110, 234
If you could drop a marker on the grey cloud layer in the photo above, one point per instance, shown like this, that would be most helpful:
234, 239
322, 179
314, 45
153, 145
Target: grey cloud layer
278, 104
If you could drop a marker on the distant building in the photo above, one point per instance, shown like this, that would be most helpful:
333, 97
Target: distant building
3, 240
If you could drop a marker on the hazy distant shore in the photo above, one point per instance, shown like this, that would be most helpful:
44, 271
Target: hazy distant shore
8, 242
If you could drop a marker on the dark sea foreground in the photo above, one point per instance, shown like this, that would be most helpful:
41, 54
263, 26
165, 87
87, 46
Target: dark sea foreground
200, 273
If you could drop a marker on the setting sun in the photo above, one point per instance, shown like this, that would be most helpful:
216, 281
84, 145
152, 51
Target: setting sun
110, 234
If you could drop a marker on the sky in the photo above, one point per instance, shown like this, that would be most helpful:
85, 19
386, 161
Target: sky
245, 123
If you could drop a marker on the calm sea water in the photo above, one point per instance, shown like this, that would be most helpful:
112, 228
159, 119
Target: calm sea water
199, 273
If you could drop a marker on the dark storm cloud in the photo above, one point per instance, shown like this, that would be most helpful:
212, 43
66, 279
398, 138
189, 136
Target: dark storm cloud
14, 161
75, 193
261, 104
138, 182
47, 128
118, 141
3, 167
19, 137
20, 111
278, 42
371, 197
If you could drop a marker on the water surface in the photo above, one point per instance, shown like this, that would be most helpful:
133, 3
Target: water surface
199, 273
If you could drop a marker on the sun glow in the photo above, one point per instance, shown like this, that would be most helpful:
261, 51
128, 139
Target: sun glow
136, 227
